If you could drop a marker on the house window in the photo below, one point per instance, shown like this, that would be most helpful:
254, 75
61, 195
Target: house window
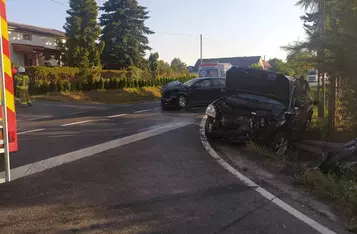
27, 37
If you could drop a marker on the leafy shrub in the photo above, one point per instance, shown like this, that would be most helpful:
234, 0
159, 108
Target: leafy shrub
62, 79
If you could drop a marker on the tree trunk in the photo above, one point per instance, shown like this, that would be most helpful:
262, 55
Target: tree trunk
332, 107
320, 110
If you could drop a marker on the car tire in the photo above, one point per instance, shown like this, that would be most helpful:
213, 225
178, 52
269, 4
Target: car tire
210, 135
280, 144
181, 101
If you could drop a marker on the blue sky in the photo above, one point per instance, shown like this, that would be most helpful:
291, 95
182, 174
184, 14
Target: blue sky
233, 28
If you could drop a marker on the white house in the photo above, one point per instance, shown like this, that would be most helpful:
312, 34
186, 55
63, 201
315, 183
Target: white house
31, 45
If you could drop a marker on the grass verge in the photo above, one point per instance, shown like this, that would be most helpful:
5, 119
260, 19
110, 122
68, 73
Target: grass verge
127, 95
337, 188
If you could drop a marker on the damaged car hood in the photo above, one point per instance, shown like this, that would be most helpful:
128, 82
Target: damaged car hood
251, 103
270, 84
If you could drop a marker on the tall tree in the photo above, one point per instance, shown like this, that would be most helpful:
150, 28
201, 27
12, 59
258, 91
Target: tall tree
178, 66
337, 43
124, 33
153, 63
82, 32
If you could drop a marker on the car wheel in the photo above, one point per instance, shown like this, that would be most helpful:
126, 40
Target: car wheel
181, 101
280, 144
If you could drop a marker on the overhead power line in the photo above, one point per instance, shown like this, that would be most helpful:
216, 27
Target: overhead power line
60, 3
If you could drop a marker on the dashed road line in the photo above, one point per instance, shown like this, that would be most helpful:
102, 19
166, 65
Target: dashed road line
312, 223
75, 123
31, 131
141, 111
116, 116
78, 112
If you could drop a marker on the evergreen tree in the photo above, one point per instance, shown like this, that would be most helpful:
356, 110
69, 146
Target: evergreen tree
154, 65
124, 34
82, 32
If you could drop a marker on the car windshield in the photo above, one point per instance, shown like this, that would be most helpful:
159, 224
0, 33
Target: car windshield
190, 83
312, 73
210, 72
172, 84
261, 98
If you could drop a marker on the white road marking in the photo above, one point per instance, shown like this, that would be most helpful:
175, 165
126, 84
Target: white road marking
75, 123
31, 131
76, 113
92, 150
115, 116
312, 223
140, 111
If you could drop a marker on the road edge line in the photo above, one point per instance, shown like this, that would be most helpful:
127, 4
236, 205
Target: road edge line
294, 212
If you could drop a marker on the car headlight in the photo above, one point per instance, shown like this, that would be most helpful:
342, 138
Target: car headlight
211, 111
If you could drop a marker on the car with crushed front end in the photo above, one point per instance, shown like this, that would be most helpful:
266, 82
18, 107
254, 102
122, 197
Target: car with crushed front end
261, 106
195, 92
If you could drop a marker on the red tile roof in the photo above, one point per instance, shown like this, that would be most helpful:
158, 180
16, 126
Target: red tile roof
266, 64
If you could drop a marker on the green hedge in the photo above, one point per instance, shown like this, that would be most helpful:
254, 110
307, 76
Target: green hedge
69, 73
74, 73
58, 79
45, 86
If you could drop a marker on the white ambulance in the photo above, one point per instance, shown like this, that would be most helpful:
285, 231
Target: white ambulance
213, 69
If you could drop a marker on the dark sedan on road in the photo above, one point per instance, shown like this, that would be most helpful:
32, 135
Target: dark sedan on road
195, 92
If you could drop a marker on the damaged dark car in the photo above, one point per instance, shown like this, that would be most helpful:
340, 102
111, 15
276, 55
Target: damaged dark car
261, 106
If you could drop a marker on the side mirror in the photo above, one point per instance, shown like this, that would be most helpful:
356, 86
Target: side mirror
223, 89
315, 103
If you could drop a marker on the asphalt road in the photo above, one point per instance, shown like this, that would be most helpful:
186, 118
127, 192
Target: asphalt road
160, 183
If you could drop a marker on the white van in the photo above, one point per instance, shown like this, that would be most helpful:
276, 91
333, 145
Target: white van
213, 69
312, 77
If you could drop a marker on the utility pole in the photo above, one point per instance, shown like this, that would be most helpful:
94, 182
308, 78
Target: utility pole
201, 47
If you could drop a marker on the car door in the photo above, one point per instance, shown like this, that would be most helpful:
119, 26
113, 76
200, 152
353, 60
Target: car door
200, 92
218, 85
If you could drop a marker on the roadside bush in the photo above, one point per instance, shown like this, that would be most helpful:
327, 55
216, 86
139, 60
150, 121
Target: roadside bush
62, 79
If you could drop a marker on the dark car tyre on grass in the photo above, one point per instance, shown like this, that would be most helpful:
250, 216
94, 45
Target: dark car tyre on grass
280, 144
181, 101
